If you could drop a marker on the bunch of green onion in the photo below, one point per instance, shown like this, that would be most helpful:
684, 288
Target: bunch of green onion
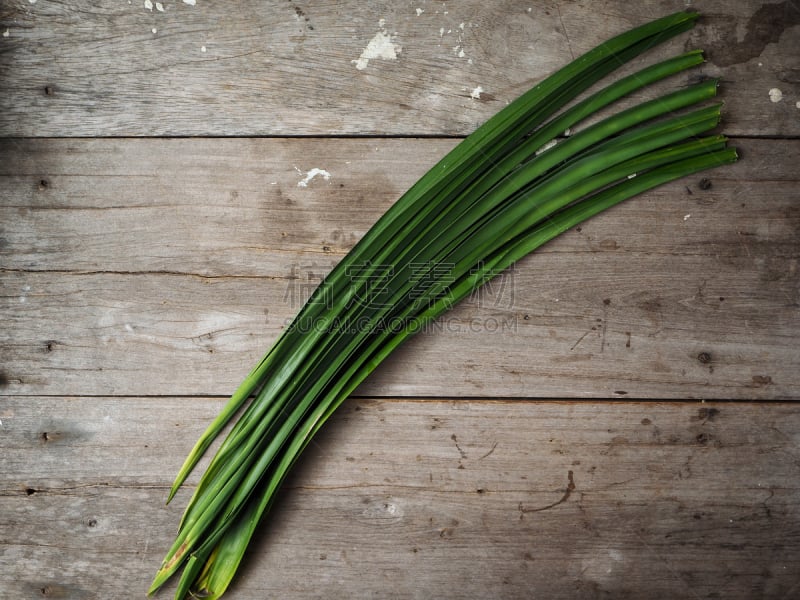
501, 193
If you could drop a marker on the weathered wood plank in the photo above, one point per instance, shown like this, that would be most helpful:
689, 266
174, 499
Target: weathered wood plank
236, 207
282, 68
140, 259
445, 499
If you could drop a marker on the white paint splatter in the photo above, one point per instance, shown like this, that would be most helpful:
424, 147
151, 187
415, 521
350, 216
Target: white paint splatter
189, 2
632, 175
441, 32
154, 30
476, 93
760, 64
419, 11
461, 26
380, 46
567, 132
159, 7
775, 95
32, 1
461, 53
797, 104
148, 5
311, 174
6, 33
687, 217
203, 49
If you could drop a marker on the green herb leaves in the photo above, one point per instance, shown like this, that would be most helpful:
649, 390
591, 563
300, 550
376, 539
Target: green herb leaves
508, 188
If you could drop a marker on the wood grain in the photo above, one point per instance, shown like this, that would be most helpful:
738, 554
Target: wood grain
88, 68
128, 261
214, 207
433, 498
141, 276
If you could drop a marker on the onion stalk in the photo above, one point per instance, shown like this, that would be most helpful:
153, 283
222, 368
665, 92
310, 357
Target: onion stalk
505, 190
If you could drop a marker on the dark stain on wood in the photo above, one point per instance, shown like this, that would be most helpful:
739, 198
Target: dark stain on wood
761, 380
49, 437
460, 451
302, 16
706, 414
609, 244
703, 438
765, 27
704, 357
50, 345
567, 493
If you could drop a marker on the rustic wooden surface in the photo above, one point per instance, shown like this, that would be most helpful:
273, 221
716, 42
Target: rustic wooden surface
82, 67
191, 255
424, 499
141, 276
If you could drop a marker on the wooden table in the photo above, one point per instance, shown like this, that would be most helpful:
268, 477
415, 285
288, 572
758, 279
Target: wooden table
609, 419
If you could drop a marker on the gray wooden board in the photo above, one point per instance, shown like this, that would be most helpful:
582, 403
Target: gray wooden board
167, 267
92, 68
421, 499
141, 278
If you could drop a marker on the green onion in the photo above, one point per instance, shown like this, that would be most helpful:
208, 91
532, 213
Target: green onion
504, 191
